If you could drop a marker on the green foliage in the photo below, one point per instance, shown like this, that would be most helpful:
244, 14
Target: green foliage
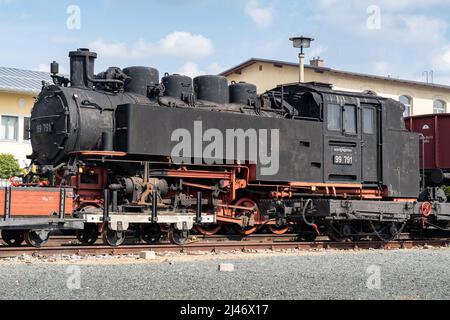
9, 166
446, 190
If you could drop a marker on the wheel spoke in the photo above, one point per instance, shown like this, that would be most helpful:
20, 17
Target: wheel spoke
113, 238
279, 230
251, 213
150, 233
208, 230
37, 239
178, 237
13, 238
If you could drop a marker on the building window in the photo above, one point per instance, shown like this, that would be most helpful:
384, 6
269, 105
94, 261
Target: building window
9, 128
334, 117
26, 129
407, 102
439, 106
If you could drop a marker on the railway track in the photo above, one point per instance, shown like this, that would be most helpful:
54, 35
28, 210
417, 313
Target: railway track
218, 247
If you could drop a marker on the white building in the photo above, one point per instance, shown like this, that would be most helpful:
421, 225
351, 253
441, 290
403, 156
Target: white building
18, 89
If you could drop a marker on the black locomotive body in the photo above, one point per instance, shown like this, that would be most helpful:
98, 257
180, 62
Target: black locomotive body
325, 136
147, 155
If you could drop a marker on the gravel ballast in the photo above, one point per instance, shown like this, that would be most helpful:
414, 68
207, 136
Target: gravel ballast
405, 275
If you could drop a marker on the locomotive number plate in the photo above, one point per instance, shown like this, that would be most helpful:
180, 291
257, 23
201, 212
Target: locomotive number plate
341, 160
44, 128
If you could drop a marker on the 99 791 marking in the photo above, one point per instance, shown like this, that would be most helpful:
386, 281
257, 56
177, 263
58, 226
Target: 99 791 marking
343, 160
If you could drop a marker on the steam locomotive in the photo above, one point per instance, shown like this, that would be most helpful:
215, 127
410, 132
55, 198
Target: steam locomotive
124, 151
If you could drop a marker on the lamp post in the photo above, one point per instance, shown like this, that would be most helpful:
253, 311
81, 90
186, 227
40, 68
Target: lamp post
302, 43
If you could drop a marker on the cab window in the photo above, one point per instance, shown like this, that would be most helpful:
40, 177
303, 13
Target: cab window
368, 120
334, 117
350, 120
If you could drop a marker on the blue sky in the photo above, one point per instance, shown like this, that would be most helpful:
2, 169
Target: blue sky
400, 38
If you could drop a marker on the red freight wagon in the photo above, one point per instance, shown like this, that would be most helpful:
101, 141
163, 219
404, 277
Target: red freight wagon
435, 129
29, 214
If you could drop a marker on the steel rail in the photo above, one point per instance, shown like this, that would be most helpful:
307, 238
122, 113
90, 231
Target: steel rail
219, 247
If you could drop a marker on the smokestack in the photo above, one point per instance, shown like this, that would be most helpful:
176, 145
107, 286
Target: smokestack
82, 64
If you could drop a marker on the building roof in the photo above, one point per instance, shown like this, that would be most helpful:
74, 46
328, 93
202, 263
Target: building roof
322, 69
22, 81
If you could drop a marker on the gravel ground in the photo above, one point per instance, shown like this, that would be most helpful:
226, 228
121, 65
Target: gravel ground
413, 274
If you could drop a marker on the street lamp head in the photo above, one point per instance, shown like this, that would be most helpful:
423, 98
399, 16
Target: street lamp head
301, 42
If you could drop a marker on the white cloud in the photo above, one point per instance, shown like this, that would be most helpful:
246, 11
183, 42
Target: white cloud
190, 69
193, 70
111, 49
400, 5
412, 37
215, 68
441, 60
261, 16
176, 44
383, 68
420, 29
387, 5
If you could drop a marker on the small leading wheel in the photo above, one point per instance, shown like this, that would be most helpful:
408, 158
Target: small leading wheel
113, 238
13, 238
150, 233
37, 238
178, 237
89, 235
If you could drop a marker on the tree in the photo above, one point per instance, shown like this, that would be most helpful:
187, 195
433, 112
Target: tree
9, 166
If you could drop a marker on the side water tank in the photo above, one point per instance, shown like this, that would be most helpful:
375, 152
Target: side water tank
211, 88
141, 79
177, 86
242, 93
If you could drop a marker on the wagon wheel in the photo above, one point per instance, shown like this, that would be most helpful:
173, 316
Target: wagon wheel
307, 234
89, 235
355, 230
37, 238
13, 238
113, 238
150, 233
387, 231
178, 237
279, 230
334, 232
244, 213
208, 229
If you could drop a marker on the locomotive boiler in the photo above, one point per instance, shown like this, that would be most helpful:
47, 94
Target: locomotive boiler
167, 156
